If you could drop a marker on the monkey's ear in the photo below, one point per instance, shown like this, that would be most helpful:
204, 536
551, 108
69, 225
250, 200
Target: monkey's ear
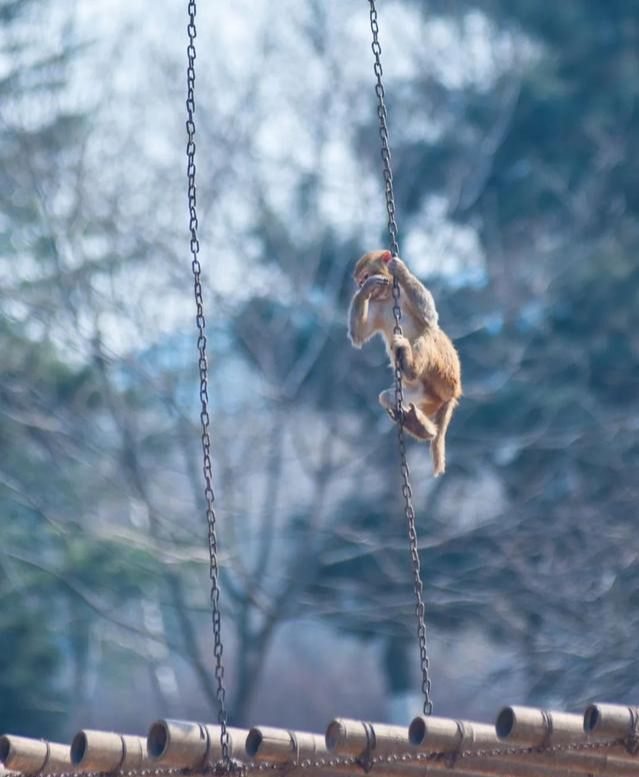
387, 256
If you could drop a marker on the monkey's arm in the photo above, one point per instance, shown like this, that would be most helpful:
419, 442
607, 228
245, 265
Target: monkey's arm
419, 299
358, 320
360, 326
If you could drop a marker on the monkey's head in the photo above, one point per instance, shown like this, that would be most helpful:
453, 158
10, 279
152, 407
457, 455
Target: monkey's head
374, 263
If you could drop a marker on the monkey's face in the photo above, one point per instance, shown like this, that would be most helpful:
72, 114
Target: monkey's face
374, 263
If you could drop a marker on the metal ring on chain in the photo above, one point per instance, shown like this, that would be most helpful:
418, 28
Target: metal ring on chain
296, 748
47, 755
549, 728
365, 760
204, 396
632, 742
409, 510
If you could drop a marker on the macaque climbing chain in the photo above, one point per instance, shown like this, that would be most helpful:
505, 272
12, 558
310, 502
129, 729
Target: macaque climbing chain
204, 390
407, 493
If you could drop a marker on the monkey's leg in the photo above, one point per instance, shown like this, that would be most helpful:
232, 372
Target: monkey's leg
430, 404
403, 357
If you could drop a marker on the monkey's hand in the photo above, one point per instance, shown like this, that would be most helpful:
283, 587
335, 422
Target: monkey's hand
396, 267
373, 286
400, 346
419, 298
403, 356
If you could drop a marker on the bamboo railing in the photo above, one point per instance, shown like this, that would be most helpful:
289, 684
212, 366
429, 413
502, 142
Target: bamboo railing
524, 742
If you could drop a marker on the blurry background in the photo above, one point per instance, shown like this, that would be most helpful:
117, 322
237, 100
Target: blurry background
515, 132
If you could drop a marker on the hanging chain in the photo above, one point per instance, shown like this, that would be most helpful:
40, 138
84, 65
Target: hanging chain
204, 391
399, 393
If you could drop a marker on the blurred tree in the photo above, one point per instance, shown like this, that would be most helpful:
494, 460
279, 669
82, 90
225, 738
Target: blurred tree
50, 571
32, 383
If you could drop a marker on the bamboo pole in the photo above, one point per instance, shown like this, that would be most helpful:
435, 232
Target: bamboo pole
177, 744
611, 720
435, 735
280, 746
29, 756
537, 728
360, 739
276, 746
431, 734
617, 723
102, 751
184, 744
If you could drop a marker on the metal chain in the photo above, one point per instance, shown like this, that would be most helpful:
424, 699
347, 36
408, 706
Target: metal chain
399, 394
204, 392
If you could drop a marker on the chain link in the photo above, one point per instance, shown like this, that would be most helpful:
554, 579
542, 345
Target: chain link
204, 392
407, 493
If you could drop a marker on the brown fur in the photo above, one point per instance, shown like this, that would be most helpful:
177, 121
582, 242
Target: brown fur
425, 354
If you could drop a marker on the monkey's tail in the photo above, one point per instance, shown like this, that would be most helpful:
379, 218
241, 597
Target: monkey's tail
438, 444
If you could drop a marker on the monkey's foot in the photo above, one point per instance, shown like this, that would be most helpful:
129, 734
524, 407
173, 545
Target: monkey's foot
417, 424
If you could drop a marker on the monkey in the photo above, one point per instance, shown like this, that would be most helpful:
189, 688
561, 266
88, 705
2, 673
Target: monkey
425, 355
